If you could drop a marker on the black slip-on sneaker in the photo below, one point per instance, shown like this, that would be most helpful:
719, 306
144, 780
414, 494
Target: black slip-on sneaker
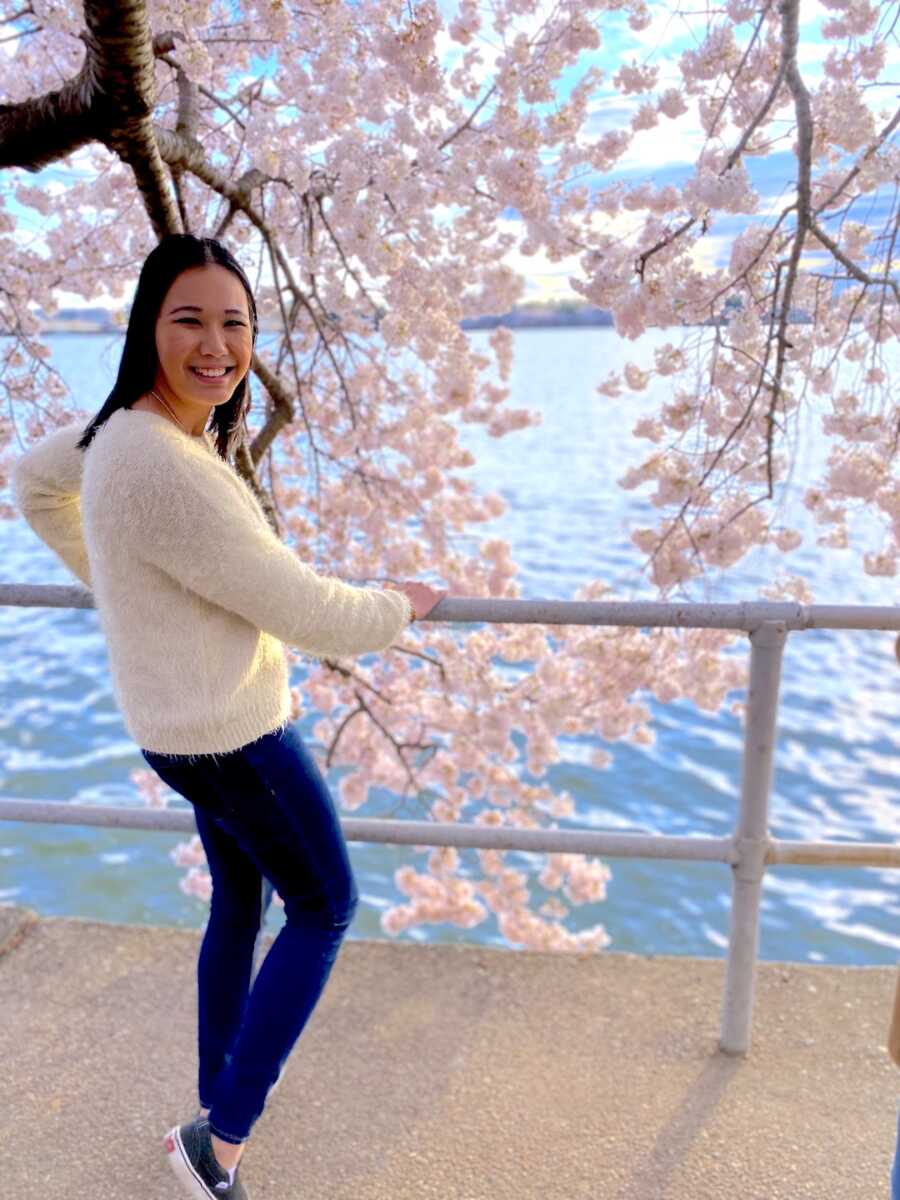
192, 1158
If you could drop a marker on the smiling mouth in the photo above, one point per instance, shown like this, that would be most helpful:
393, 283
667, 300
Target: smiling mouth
215, 375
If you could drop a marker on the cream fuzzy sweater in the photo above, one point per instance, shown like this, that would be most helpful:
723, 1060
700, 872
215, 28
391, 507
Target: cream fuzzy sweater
195, 594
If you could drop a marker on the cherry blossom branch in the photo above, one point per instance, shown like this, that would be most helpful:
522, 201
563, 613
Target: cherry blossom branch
331, 749
740, 67
412, 779
451, 137
282, 409
283, 414
119, 43
857, 167
853, 268
337, 245
110, 100
788, 72
889, 258
278, 258
185, 127
790, 34
14, 37
730, 162
743, 276
346, 673
435, 662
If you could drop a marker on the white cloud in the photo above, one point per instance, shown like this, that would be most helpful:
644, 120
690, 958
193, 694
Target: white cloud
810, 53
665, 144
711, 252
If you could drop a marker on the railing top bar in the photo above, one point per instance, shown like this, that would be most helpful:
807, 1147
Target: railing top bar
608, 843
746, 616
398, 832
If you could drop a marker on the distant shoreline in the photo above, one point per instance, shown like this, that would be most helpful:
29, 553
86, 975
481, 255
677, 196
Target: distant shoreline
536, 317
532, 316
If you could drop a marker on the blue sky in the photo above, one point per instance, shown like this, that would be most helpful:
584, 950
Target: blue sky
664, 154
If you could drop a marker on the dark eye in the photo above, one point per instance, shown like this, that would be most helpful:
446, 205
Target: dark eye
178, 320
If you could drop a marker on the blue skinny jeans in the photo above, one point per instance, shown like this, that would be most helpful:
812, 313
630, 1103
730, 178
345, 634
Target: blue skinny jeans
266, 819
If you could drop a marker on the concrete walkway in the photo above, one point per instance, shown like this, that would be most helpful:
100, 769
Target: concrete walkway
455, 1073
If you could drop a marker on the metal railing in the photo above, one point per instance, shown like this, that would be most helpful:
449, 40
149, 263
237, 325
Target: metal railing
749, 851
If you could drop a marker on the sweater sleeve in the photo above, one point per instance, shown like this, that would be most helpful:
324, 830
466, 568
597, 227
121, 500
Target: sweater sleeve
46, 482
197, 521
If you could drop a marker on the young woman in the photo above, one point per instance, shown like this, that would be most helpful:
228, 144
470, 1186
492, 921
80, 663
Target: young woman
197, 597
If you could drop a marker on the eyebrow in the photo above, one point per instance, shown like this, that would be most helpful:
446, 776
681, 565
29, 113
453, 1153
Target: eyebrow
197, 308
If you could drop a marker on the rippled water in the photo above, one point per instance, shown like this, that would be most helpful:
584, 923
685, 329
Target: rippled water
836, 769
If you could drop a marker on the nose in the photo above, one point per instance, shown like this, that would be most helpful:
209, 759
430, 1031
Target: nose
212, 341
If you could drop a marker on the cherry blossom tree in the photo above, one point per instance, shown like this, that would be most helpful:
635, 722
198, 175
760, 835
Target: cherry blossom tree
363, 182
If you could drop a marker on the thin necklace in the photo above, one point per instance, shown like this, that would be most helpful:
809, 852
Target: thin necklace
157, 396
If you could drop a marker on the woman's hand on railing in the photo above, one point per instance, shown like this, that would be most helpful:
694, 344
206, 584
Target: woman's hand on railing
422, 597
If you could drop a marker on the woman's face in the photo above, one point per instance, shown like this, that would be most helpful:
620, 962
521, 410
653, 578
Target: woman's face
204, 321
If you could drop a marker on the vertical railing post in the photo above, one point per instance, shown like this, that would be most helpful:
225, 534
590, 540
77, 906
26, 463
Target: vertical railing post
751, 836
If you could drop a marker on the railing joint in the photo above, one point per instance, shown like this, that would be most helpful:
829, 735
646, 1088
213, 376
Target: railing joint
750, 854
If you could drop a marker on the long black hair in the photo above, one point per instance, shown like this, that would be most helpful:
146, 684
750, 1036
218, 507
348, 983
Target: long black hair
174, 253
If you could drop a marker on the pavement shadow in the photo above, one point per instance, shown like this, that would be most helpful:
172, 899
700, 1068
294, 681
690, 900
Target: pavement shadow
676, 1137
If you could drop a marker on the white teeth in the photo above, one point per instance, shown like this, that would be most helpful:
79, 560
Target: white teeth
209, 372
